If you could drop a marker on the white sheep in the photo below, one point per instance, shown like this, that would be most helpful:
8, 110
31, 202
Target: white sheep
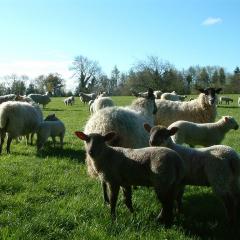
200, 110
86, 97
159, 167
100, 103
50, 127
217, 166
8, 97
40, 99
69, 101
225, 99
17, 119
204, 134
173, 96
158, 94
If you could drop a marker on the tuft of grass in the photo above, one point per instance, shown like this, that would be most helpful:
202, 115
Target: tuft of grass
50, 195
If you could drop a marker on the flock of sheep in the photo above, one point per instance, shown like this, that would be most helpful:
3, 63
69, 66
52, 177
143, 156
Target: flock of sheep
141, 144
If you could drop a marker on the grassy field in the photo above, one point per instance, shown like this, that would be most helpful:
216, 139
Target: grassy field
52, 197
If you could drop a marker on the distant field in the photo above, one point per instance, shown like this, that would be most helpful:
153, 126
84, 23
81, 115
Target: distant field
52, 197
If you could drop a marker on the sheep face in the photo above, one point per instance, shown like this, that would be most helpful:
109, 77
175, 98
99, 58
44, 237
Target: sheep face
231, 122
210, 93
51, 117
95, 143
151, 96
159, 135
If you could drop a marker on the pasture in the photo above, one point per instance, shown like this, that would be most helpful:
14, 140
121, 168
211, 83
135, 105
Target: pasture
50, 196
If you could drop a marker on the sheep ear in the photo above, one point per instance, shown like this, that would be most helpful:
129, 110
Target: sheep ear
201, 90
226, 119
173, 130
218, 90
109, 136
150, 93
147, 127
82, 135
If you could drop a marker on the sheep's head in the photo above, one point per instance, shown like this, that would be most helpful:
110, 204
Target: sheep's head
211, 94
231, 122
159, 135
95, 143
51, 117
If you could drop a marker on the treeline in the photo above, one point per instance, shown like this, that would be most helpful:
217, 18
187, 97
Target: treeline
152, 72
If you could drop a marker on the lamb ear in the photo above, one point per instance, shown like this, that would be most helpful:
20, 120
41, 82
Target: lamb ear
82, 135
109, 136
218, 90
226, 119
173, 130
147, 127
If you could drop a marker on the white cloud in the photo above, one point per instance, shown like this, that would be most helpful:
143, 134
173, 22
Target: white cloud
34, 68
211, 21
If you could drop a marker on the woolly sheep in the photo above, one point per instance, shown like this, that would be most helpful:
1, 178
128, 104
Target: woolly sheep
17, 119
40, 99
205, 134
217, 166
5, 98
201, 110
86, 97
53, 127
69, 101
158, 94
161, 168
101, 103
225, 99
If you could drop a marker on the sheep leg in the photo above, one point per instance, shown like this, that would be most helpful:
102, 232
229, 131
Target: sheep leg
127, 192
9, 140
105, 193
230, 206
54, 141
179, 199
32, 135
61, 140
114, 190
2, 136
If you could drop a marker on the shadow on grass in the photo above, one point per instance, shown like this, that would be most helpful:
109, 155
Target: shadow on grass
227, 106
204, 216
54, 109
74, 155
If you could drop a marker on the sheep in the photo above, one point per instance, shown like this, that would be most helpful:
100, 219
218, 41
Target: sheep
51, 126
100, 103
102, 94
201, 110
173, 96
159, 167
5, 98
217, 166
85, 98
205, 134
17, 119
40, 99
69, 101
225, 99
158, 94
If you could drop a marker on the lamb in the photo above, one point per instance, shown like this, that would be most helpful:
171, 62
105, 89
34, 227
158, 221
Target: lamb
40, 99
217, 166
204, 134
85, 98
159, 167
101, 103
225, 99
8, 97
69, 101
17, 119
53, 127
201, 110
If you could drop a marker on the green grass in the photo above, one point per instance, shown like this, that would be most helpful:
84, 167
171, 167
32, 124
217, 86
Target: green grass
51, 196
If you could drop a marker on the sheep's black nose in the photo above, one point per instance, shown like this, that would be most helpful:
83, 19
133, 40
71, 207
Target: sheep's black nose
236, 128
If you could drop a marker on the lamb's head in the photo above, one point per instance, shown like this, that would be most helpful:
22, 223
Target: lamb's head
95, 143
51, 117
147, 104
210, 95
230, 122
160, 135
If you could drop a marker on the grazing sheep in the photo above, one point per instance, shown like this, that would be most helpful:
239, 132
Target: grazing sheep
201, 110
86, 97
173, 96
5, 98
101, 103
17, 119
205, 134
40, 99
51, 126
225, 99
161, 168
69, 101
217, 166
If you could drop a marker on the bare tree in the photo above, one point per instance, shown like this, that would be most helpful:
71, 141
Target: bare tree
86, 71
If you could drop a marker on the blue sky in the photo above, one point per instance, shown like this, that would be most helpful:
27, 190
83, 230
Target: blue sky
39, 37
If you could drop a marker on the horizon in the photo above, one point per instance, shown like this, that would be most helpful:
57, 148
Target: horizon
45, 37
